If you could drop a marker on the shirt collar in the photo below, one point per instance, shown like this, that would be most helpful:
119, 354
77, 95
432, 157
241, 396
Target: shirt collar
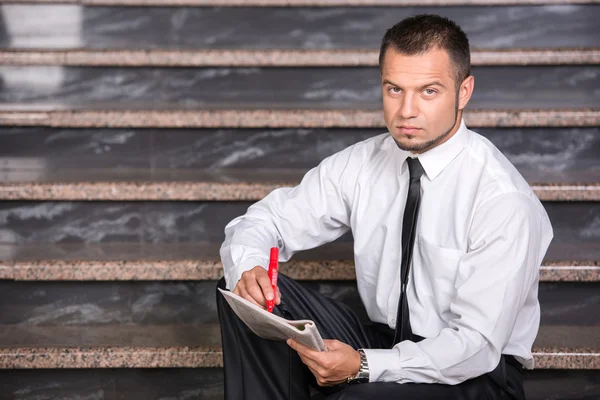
436, 159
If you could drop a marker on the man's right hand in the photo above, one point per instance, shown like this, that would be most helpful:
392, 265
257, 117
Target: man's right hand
255, 286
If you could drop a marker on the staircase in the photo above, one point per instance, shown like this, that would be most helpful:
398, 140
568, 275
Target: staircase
132, 131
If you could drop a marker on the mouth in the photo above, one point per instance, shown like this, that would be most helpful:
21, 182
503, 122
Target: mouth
408, 130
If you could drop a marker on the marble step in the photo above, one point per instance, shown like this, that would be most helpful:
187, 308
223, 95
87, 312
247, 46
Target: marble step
145, 383
274, 58
263, 24
565, 155
35, 88
207, 384
170, 185
200, 261
148, 223
303, 3
93, 303
181, 346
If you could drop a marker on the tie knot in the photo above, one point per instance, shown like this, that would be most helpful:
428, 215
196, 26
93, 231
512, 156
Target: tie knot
415, 168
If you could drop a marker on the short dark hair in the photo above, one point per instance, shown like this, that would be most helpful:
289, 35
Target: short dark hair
420, 33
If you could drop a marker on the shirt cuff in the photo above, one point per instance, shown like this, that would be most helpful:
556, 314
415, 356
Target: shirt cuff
232, 278
380, 361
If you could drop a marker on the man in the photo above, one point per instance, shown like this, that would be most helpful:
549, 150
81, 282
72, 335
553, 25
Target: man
448, 240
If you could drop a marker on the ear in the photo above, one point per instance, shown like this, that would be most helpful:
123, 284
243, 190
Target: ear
465, 91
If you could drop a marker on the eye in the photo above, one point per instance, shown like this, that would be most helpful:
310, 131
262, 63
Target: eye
429, 92
394, 90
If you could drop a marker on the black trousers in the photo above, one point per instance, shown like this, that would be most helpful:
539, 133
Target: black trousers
256, 368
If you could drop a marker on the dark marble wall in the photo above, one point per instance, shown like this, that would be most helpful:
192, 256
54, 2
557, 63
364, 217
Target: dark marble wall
113, 384
106, 303
576, 225
278, 88
207, 384
68, 26
541, 155
193, 303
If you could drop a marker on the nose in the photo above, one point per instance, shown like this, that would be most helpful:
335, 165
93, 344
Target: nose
409, 107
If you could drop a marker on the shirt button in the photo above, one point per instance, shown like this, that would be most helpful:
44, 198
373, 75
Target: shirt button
393, 321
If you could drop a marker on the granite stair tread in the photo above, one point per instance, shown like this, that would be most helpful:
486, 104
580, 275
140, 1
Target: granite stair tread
322, 25
200, 261
43, 175
226, 117
275, 58
220, 185
302, 3
556, 347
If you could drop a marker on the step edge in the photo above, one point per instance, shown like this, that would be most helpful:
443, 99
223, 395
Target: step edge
214, 191
158, 270
209, 356
10, 115
302, 3
275, 57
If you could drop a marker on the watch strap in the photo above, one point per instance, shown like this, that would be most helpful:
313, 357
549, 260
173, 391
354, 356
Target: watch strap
363, 371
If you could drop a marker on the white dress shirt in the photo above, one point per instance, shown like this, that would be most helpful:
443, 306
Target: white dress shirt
480, 239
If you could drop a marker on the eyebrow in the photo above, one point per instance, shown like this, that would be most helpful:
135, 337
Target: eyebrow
432, 83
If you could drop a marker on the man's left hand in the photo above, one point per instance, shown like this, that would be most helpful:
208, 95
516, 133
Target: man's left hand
330, 367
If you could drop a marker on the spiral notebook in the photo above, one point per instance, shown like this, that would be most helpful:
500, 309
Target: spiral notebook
272, 327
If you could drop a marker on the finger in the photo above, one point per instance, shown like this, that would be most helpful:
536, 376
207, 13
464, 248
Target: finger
278, 299
256, 293
265, 284
236, 290
303, 350
312, 365
321, 380
318, 377
247, 296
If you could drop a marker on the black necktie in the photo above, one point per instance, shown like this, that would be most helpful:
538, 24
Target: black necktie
409, 223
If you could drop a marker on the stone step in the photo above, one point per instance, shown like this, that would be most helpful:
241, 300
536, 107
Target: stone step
207, 384
201, 190
19, 115
126, 383
32, 88
92, 303
130, 262
201, 185
275, 58
556, 347
303, 3
566, 155
149, 223
264, 24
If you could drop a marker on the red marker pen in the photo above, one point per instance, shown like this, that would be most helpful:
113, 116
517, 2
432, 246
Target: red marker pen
273, 269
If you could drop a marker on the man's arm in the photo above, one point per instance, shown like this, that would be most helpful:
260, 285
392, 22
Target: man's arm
293, 219
508, 239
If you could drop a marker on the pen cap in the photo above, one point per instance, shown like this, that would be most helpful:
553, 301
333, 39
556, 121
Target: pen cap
274, 257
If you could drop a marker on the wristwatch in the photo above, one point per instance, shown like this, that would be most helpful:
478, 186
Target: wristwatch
363, 371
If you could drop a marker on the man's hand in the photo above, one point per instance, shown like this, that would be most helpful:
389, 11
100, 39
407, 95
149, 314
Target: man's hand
330, 367
255, 286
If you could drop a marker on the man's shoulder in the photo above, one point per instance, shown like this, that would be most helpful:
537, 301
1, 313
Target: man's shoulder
496, 173
373, 144
361, 152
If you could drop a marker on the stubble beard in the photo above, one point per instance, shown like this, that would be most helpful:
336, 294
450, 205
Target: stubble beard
421, 147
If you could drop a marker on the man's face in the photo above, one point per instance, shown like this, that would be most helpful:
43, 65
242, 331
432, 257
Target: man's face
420, 100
